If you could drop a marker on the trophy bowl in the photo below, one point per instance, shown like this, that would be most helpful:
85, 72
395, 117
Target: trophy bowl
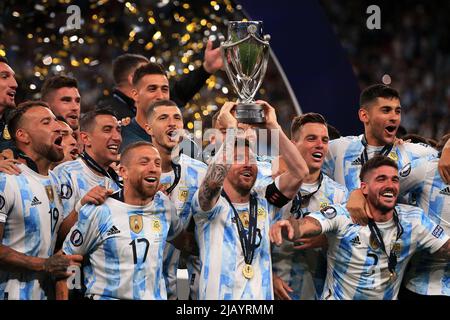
245, 55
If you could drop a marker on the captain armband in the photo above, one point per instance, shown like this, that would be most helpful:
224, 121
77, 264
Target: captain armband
275, 197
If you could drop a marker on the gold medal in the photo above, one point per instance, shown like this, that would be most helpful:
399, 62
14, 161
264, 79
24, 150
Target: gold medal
247, 271
6, 134
393, 276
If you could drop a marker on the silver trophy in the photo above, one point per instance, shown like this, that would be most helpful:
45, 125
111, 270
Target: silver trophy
245, 56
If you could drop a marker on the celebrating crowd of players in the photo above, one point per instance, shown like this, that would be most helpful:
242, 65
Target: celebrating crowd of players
113, 193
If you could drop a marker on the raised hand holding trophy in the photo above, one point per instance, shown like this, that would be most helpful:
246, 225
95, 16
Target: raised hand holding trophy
245, 57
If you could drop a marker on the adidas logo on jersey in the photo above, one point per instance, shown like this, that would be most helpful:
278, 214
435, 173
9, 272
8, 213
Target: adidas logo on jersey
113, 231
355, 241
356, 162
35, 202
445, 191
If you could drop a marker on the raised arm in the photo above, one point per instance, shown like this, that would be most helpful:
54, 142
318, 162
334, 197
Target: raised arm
297, 169
211, 186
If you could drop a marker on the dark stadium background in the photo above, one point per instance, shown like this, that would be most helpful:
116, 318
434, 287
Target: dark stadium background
324, 48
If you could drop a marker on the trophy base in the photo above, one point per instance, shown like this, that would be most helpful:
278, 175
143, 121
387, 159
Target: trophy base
250, 113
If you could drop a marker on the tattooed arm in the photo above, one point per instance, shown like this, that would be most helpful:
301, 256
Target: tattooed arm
15, 261
211, 186
294, 229
209, 191
306, 227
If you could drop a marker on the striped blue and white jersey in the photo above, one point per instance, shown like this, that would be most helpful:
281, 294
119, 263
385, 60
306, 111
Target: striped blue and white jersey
264, 176
31, 212
221, 252
123, 245
76, 179
305, 270
428, 275
357, 267
343, 163
192, 174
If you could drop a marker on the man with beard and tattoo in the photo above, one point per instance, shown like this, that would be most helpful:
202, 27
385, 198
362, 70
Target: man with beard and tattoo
124, 238
368, 262
30, 208
180, 179
8, 87
233, 218
380, 112
90, 178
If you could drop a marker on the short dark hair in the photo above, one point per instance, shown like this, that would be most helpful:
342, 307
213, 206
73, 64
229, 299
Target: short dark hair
126, 153
371, 93
374, 163
300, 121
149, 68
333, 132
124, 64
415, 138
401, 131
159, 103
16, 114
87, 120
57, 82
4, 60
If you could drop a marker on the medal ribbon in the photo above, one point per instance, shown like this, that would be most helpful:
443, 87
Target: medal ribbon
384, 152
299, 199
376, 234
91, 163
177, 171
248, 243
30, 163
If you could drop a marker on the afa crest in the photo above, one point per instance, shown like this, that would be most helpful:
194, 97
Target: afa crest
323, 204
261, 213
156, 226
136, 223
